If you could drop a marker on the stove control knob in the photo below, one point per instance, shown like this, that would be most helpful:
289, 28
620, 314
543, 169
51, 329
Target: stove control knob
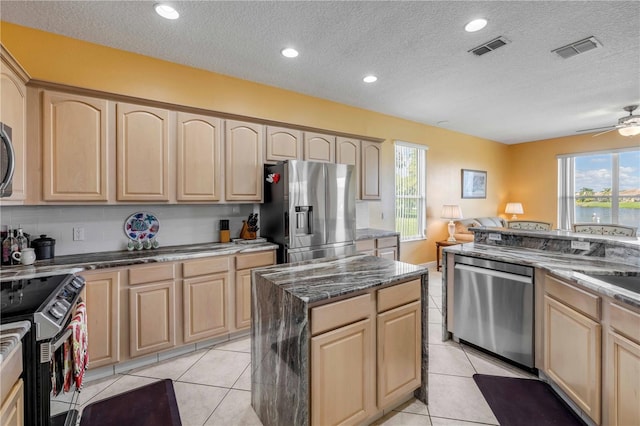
55, 313
78, 282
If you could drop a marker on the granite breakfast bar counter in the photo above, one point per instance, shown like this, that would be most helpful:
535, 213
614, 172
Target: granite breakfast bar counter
296, 371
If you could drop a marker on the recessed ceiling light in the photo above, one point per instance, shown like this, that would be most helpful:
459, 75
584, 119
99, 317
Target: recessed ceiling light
370, 79
166, 11
289, 52
475, 25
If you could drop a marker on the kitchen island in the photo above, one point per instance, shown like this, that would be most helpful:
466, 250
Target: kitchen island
345, 301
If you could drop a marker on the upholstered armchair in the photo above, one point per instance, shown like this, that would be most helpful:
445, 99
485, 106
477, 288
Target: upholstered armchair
529, 225
605, 229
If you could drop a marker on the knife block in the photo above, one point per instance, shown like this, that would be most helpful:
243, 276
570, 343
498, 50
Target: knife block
245, 234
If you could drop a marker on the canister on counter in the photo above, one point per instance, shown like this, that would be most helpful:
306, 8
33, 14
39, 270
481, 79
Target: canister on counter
225, 237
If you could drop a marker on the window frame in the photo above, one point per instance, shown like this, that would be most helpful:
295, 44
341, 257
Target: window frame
421, 197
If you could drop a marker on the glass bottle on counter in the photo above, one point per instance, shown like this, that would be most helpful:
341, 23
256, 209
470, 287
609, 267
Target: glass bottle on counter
23, 243
9, 245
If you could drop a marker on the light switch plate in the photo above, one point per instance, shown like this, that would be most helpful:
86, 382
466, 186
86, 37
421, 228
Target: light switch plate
495, 237
580, 245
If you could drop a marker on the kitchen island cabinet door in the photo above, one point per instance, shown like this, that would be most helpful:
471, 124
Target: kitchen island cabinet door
75, 139
319, 147
283, 144
343, 375
142, 146
199, 163
103, 304
13, 113
12, 409
243, 166
205, 310
572, 354
371, 156
152, 318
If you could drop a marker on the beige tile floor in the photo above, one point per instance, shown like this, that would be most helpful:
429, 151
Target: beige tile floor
213, 385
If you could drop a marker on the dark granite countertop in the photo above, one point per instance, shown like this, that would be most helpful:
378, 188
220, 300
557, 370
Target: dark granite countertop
321, 279
571, 267
10, 336
88, 261
369, 233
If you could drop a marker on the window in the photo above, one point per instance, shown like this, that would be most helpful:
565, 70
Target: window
599, 187
411, 200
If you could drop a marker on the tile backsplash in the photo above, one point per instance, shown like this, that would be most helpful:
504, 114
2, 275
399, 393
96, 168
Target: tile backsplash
104, 225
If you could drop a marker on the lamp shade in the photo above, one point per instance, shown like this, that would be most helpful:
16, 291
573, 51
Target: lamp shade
629, 131
451, 211
514, 208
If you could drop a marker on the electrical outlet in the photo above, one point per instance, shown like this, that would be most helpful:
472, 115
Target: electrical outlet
235, 209
78, 234
580, 245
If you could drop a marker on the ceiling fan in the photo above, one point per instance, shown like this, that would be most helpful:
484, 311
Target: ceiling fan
627, 126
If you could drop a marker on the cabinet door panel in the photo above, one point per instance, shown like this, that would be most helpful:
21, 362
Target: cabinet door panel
399, 352
283, 144
572, 354
74, 148
199, 168
205, 313
243, 153
342, 375
12, 410
348, 152
624, 381
142, 144
319, 147
243, 299
152, 318
371, 156
103, 302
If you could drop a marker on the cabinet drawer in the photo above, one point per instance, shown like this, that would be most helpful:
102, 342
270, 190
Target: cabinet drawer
150, 274
365, 245
207, 266
334, 315
586, 303
398, 295
255, 260
387, 242
625, 321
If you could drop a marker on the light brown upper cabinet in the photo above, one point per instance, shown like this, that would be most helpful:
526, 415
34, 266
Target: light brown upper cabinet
13, 113
370, 170
75, 138
243, 155
319, 147
283, 144
199, 166
348, 152
142, 147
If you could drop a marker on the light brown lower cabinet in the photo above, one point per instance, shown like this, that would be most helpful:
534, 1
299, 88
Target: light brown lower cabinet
12, 410
205, 310
365, 354
384, 247
244, 264
102, 299
151, 318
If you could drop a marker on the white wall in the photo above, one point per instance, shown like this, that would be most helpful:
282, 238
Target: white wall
104, 225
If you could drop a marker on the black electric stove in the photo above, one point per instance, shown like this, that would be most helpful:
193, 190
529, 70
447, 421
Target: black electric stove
48, 302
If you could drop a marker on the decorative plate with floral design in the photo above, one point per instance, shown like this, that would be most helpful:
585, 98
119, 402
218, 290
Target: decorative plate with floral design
141, 226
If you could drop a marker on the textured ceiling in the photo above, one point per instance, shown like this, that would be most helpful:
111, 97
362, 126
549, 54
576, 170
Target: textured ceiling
419, 50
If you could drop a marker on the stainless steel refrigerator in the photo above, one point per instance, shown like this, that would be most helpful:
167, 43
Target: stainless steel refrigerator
309, 209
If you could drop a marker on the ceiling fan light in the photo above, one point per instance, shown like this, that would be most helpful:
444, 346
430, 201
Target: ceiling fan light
629, 131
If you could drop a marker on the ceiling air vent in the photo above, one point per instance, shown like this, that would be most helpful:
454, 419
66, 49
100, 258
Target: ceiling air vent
577, 47
489, 46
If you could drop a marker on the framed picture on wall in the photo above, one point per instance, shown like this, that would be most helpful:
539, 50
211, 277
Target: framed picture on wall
474, 184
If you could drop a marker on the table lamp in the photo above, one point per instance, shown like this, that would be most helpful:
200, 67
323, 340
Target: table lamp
514, 209
451, 211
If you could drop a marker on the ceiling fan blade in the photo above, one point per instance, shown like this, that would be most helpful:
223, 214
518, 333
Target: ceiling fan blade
597, 128
606, 131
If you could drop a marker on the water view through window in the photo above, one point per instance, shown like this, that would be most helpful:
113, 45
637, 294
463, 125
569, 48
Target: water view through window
607, 188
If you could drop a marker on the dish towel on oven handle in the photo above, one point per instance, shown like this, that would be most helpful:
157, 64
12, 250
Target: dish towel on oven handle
77, 357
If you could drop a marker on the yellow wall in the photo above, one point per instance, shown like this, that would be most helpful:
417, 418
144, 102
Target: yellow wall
533, 170
512, 175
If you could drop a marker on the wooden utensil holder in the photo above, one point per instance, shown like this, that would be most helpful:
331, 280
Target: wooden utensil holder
245, 234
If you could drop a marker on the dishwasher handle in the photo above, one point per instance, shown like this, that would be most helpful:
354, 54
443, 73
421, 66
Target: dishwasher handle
492, 273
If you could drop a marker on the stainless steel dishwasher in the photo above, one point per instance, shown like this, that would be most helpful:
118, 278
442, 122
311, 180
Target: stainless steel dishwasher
493, 307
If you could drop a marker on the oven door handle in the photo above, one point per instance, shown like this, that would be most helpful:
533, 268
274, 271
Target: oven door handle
55, 345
